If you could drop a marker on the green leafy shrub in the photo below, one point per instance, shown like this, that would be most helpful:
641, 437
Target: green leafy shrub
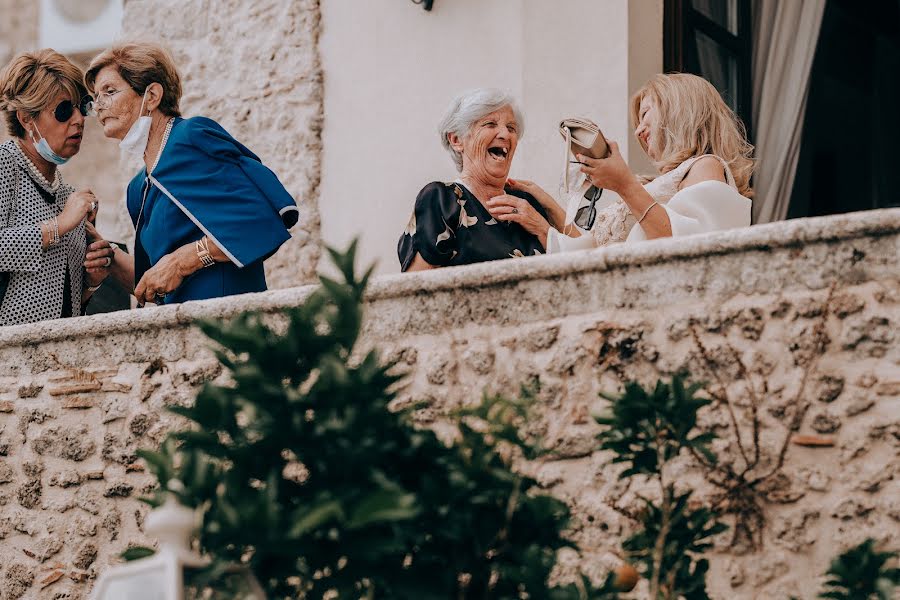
302, 473
862, 573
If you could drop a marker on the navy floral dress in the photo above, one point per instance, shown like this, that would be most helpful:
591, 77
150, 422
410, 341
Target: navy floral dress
449, 227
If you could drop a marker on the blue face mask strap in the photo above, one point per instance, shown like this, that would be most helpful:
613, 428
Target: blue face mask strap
43, 148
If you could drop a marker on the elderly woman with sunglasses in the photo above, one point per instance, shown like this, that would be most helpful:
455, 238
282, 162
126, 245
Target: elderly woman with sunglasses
47, 270
206, 211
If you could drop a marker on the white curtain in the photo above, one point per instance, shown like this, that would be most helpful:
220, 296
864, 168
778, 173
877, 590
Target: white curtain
786, 35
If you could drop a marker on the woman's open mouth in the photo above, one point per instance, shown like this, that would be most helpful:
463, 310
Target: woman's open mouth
76, 137
499, 153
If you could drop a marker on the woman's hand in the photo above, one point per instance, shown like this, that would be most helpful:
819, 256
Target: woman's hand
162, 278
609, 173
79, 206
518, 210
523, 185
121, 264
555, 212
97, 262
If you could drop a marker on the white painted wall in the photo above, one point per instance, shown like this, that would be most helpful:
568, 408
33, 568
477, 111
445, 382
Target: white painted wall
73, 26
391, 69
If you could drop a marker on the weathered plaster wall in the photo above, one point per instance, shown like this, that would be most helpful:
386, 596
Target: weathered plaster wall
78, 397
254, 67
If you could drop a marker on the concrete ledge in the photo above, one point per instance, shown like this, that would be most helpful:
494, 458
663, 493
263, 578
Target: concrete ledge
577, 266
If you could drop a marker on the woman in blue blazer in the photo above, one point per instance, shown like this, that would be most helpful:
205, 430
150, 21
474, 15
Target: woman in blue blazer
206, 211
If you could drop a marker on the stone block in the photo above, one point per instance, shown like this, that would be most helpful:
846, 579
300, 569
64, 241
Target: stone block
78, 403
17, 580
30, 391
85, 555
65, 442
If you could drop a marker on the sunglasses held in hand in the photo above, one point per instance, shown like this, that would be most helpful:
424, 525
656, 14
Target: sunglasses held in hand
586, 215
64, 110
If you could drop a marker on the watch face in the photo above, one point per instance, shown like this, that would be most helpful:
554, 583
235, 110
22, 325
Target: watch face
81, 11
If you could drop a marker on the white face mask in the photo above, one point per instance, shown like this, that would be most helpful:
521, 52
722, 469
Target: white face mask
134, 143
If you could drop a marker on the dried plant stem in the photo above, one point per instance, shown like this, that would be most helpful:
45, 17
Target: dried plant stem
801, 406
660, 544
722, 395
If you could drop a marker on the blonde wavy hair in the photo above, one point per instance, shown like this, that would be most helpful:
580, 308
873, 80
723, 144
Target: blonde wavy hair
694, 120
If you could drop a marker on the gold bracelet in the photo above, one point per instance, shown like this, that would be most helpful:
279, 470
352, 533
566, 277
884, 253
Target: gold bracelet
202, 247
655, 203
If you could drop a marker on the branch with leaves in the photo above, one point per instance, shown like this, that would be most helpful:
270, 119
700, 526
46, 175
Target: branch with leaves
645, 431
862, 573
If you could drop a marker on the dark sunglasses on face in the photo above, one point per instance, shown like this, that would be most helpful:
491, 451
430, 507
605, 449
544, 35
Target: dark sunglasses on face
585, 215
64, 110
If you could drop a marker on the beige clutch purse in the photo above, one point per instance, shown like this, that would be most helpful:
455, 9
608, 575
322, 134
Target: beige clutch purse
582, 136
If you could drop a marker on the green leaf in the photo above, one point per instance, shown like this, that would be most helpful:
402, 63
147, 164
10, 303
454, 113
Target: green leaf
316, 517
136, 553
381, 506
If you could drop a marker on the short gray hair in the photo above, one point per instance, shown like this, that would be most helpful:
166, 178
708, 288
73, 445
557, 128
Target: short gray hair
467, 108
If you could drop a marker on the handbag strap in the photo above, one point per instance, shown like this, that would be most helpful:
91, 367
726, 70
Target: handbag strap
566, 151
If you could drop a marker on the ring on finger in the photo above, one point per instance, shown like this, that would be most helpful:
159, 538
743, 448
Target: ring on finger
108, 261
515, 211
93, 205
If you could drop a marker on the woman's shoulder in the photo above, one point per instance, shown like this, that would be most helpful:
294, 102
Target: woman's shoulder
441, 190
8, 164
199, 132
6, 157
706, 167
195, 124
7, 148
8, 151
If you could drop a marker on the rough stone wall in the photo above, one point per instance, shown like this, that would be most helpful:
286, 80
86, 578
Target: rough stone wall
18, 27
253, 67
814, 301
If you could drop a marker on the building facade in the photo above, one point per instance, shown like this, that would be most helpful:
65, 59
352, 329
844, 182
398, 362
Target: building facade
342, 98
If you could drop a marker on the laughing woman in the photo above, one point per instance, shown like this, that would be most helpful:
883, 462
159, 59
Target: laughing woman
477, 217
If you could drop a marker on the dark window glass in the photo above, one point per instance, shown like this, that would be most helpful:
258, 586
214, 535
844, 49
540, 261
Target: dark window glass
713, 39
722, 12
719, 66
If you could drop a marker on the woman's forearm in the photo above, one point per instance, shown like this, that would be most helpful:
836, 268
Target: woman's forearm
122, 269
652, 217
188, 257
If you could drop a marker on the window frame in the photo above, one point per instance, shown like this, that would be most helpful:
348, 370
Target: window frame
681, 22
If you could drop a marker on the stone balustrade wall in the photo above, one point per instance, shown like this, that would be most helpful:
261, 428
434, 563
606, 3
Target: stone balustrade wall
784, 316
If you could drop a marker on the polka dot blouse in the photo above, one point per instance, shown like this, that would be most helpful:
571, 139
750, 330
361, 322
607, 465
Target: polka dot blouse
36, 277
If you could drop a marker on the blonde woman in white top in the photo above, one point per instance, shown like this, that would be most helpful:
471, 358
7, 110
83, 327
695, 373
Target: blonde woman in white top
700, 148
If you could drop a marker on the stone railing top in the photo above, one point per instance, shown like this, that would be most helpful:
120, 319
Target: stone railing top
760, 237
